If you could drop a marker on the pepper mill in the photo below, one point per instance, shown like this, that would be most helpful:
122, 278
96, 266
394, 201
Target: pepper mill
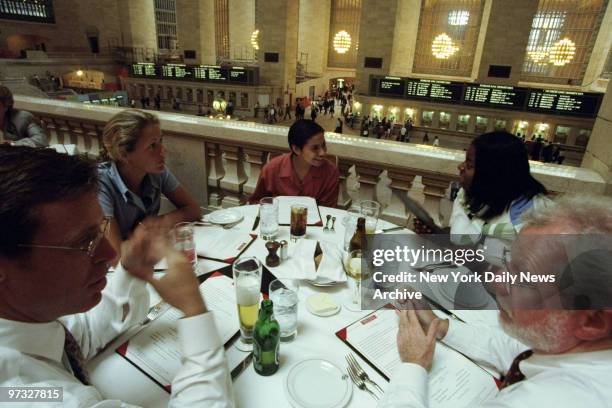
272, 259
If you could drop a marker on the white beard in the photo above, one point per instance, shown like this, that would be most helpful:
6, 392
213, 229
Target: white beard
547, 335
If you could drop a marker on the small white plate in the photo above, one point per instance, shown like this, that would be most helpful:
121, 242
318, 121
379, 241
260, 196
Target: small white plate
317, 383
322, 282
326, 313
223, 217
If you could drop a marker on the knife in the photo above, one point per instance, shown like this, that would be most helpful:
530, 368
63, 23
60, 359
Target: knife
256, 223
442, 308
381, 231
242, 366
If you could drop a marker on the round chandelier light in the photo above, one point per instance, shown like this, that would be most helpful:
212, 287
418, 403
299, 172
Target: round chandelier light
342, 42
443, 47
254, 38
562, 52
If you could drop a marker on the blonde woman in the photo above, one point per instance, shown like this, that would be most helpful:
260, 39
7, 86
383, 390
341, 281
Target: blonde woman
135, 176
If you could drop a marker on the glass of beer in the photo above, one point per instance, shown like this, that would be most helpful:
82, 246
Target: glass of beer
352, 267
184, 242
247, 281
370, 210
299, 219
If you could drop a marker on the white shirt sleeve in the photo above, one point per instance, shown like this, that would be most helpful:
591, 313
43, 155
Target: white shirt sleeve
407, 389
95, 328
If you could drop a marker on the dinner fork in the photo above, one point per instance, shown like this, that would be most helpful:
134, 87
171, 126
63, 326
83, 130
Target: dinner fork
359, 382
352, 361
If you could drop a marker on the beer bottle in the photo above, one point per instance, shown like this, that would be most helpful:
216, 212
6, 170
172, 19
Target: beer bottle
266, 340
359, 234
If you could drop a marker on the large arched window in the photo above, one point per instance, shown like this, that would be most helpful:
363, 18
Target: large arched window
561, 40
447, 37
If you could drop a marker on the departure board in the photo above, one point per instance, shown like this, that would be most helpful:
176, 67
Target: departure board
564, 102
392, 86
144, 69
442, 91
506, 97
238, 74
216, 73
208, 73
556, 102
177, 71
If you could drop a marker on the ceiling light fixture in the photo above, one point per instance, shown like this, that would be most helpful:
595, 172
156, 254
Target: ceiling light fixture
443, 47
342, 42
562, 52
254, 39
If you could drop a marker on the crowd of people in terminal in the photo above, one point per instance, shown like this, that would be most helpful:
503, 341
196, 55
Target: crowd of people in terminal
57, 311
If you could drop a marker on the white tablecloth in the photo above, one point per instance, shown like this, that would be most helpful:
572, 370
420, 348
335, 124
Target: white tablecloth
116, 378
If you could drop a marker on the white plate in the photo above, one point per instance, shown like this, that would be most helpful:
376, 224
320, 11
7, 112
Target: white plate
317, 383
227, 216
322, 282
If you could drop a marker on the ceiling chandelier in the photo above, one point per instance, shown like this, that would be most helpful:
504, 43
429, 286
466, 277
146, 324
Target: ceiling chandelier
443, 47
254, 39
562, 52
342, 42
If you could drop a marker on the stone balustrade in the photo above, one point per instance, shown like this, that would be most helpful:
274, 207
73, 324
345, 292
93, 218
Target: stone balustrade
219, 161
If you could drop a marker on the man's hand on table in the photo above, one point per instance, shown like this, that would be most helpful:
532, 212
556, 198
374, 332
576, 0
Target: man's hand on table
142, 251
418, 330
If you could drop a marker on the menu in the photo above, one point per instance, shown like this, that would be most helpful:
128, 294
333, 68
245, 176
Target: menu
155, 349
454, 381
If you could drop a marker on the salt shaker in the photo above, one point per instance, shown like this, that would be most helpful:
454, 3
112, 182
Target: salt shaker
284, 250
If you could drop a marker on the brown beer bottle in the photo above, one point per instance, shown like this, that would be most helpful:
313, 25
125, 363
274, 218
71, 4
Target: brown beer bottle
359, 235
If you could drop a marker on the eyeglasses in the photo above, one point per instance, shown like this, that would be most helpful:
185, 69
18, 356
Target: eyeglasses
89, 248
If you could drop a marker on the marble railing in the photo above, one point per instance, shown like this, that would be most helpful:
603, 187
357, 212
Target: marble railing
219, 161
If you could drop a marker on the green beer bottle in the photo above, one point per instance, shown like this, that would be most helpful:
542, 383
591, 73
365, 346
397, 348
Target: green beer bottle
266, 340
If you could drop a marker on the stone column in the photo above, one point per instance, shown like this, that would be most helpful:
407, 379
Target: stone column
598, 154
137, 20
234, 178
396, 210
404, 37
277, 22
376, 32
241, 26
368, 180
434, 190
495, 44
313, 38
196, 29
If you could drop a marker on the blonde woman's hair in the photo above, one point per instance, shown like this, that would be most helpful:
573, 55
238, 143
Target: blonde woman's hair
123, 130
6, 95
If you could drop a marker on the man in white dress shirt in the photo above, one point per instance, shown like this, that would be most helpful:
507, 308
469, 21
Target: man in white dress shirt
558, 354
56, 307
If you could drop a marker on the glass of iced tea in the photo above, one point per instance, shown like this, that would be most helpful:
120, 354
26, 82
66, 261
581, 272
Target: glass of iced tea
299, 219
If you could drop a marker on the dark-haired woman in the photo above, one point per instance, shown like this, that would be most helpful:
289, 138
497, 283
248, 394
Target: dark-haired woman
304, 171
18, 127
497, 188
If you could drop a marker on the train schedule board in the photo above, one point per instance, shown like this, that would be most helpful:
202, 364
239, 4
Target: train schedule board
392, 86
564, 102
143, 69
499, 96
434, 90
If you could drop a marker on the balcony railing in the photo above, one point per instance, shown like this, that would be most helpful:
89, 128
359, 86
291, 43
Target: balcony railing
219, 161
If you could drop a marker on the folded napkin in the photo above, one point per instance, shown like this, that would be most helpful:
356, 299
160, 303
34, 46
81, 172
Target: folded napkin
301, 263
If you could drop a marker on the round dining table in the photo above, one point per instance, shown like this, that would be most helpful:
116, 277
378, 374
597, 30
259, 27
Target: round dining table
116, 378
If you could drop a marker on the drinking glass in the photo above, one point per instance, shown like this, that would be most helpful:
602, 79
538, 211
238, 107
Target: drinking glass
350, 225
284, 295
182, 237
370, 210
299, 219
352, 267
247, 280
268, 218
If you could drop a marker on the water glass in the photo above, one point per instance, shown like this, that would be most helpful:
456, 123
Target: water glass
284, 295
268, 218
370, 210
299, 219
247, 280
350, 225
182, 237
